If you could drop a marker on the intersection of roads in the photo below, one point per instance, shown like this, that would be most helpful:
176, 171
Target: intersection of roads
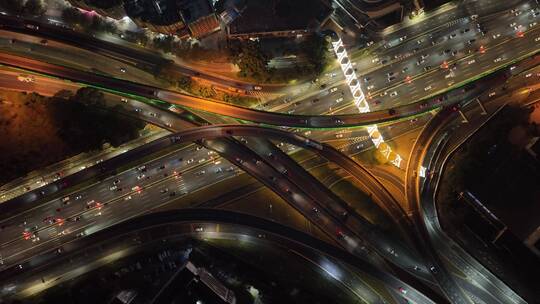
426, 80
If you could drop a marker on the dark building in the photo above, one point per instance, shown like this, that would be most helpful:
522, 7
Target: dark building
275, 18
162, 16
183, 18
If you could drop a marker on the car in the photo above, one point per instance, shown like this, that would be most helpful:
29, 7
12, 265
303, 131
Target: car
393, 94
140, 176
405, 69
332, 90
532, 24
257, 88
137, 110
451, 36
465, 30
339, 135
403, 290
449, 75
528, 75
513, 24
471, 61
403, 38
390, 79
31, 26
419, 41
424, 56
165, 190
26, 78
427, 88
127, 198
339, 100
367, 79
492, 94
153, 114
338, 121
290, 111
427, 68
124, 100
498, 59
537, 39
65, 200
199, 229
419, 62
414, 120
142, 168
370, 87
495, 36
112, 188
423, 105
123, 70
200, 173
454, 53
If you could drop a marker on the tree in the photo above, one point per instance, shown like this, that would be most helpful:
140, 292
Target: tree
90, 97
185, 83
250, 59
34, 7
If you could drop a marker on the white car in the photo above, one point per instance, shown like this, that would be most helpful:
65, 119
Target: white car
26, 78
513, 24
495, 36
371, 87
449, 75
528, 75
471, 61
492, 94
332, 90
339, 135
339, 100
375, 60
427, 88
537, 39
532, 24
393, 94
498, 59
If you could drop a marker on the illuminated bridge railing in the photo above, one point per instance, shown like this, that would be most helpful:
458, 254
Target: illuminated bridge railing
361, 103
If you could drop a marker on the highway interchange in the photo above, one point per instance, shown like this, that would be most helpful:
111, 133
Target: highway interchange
192, 167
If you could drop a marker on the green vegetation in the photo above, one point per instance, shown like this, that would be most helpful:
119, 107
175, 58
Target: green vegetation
252, 60
188, 85
38, 131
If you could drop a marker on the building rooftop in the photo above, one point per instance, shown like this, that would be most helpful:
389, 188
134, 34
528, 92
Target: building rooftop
157, 12
279, 15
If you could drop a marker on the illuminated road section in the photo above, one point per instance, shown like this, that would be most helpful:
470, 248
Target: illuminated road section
361, 103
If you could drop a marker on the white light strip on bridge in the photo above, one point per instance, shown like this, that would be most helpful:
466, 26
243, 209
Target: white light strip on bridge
361, 103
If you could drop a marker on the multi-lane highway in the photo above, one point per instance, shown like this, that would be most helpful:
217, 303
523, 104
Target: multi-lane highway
397, 77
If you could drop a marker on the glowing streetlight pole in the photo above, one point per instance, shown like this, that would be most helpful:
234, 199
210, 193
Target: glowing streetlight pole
360, 100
